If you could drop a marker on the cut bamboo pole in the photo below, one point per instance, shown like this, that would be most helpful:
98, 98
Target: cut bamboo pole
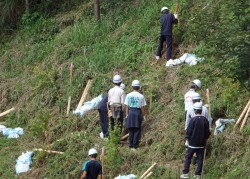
68, 107
103, 151
148, 175
7, 112
125, 137
85, 92
48, 151
245, 119
148, 170
242, 114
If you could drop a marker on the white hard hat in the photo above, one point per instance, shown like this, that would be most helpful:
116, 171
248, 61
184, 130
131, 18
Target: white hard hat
197, 83
197, 105
117, 79
122, 86
164, 8
136, 83
92, 151
196, 96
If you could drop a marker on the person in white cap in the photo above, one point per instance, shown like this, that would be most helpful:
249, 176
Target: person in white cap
92, 169
167, 21
196, 137
190, 112
196, 84
135, 103
116, 97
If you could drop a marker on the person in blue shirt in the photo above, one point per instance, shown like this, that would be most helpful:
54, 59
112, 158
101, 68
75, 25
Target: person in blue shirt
103, 113
167, 21
92, 169
135, 103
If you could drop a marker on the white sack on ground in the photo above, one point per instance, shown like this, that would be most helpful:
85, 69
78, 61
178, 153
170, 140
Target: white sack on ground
11, 133
2, 127
23, 162
220, 125
190, 59
88, 106
130, 176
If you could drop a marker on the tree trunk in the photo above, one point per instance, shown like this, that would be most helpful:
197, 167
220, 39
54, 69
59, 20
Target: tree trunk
97, 9
27, 5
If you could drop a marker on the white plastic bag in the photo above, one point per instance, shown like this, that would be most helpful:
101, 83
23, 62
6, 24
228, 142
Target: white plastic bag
2, 127
23, 162
130, 176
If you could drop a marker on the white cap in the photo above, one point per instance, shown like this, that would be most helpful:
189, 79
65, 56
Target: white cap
197, 105
164, 8
196, 96
122, 86
136, 83
197, 83
92, 151
117, 79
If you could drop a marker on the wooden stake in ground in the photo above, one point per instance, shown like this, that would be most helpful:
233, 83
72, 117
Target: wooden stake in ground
202, 170
147, 171
125, 137
103, 152
242, 114
208, 101
48, 151
245, 119
6, 112
85, 92
47, 139
70, 85
148, 175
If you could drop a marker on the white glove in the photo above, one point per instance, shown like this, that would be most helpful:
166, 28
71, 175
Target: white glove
186, 143
176, 16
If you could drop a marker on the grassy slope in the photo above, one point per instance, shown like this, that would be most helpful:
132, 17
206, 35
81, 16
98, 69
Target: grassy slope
34, 77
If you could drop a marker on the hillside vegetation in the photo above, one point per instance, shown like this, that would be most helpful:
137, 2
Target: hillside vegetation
37, 51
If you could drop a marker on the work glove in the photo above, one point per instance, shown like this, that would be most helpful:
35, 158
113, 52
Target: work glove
186, 143
176, 16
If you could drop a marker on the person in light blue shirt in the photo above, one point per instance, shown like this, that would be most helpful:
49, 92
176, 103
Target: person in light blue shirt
135, 103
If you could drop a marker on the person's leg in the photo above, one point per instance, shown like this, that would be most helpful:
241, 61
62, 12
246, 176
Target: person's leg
120, 121
188, 157
200, 156
169, 46
105, 124
160, 46
136, 138
112, 123
131, 137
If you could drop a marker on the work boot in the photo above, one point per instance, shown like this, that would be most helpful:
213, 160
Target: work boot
157, 58
101, 135
184, 175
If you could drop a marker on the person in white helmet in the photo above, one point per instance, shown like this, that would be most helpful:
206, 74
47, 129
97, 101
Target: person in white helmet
196, 84
116, 97
135, 103
167, 21
190, 112
91, 168
196, 136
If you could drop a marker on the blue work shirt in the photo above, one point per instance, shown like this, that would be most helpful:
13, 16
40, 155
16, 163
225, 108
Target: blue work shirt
167, 21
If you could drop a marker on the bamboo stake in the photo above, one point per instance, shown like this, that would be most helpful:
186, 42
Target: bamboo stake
70, 85
245, 119
148, 175
242, 114
48, 151
68, 107
125, 137
85, 92
7, 112
103, 151
148, 170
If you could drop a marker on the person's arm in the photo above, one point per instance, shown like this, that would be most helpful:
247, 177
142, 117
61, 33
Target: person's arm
189, 131
175, 20
143, 110
127, 109
84, 174
188, 119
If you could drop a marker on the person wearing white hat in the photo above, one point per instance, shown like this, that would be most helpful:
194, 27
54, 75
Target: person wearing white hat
92, 169
116, 97
167, 21
196, 136
135, 103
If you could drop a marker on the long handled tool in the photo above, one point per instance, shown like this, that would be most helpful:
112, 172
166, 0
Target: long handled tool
148, 171
103, 151
245, 118
205, 150
85, 92
242, 114
70, 85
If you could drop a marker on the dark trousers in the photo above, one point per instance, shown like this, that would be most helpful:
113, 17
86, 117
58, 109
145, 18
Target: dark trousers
118, 122
134, 136
168, 39
104, 122
189, 154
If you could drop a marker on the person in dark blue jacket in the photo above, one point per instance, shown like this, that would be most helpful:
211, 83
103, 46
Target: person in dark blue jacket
196, 136
103, 113
167, 21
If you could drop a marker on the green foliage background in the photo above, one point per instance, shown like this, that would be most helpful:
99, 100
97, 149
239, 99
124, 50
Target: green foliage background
37, 47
